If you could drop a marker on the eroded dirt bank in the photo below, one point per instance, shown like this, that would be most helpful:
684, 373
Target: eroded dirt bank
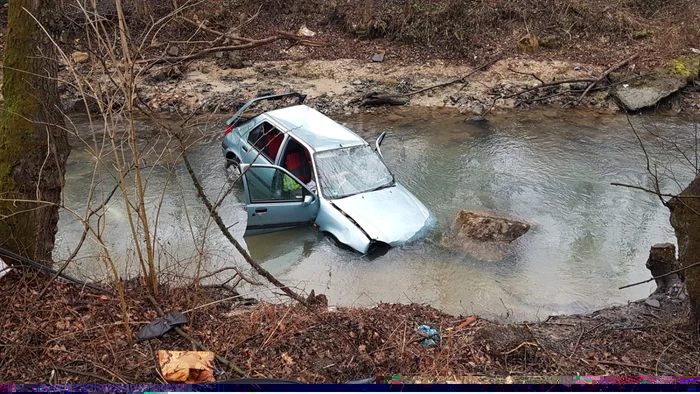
73, 335
339, 86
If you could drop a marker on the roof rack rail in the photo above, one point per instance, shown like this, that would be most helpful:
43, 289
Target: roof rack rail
299, 96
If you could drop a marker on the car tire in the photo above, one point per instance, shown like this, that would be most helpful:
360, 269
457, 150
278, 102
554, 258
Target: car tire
232, 160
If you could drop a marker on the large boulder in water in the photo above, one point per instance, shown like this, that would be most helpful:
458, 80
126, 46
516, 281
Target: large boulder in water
483, 235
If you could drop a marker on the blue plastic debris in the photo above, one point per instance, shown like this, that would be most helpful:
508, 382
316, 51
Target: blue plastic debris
431, 335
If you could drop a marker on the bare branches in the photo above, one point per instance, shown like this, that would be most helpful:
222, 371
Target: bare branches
524, 73
654, 174
241, 43
605, 75
460, 79
238, 272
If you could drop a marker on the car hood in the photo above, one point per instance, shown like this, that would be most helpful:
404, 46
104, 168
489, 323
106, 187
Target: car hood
392, 215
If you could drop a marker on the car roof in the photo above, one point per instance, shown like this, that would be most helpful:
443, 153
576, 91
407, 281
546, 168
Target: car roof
315, 129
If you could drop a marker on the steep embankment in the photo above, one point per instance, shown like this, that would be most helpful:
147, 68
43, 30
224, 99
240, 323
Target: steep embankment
423, 42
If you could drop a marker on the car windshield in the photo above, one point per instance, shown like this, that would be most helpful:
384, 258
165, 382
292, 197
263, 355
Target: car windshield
347, 171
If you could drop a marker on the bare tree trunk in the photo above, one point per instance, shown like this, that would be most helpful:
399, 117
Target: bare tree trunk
33, 141
685, 219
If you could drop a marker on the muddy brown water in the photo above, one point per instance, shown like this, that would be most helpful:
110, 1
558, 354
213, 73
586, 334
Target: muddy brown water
550, 169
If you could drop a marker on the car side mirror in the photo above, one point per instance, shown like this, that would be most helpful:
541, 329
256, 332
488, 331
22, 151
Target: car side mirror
379, 143
308, 199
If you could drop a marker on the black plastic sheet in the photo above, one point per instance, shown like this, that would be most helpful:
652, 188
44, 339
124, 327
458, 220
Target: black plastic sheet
161, 325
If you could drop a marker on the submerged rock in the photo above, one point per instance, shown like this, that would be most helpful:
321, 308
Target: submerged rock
647, 92
483, 235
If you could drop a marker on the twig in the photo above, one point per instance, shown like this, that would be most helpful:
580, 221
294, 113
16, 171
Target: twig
519, 346
88, 374
657, 188
556, 323
546, 85
279, 323
578, 342
245, 278
196, 342
619, 364
524, 73
461, 79
658, 360
651, 191
605, 75
661, 276
213, 303
204, 52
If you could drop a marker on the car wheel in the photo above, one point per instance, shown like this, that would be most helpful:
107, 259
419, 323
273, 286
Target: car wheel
232, 160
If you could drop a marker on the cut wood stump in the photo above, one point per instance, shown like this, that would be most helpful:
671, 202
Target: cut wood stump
661, 261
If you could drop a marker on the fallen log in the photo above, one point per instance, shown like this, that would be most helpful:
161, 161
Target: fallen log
375, 98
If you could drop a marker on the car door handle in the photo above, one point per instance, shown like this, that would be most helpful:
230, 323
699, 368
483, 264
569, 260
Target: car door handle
244, 149
261, 210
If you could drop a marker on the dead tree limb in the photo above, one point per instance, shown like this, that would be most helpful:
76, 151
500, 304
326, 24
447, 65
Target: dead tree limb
246, 43
196, 342
204, 52
526, 73
375, 98
88, 374
202, 26
545, 85
217, 218
660, 276
605, 75
460, 79
644, 189
238, 272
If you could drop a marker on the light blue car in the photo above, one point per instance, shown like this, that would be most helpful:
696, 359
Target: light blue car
301, 168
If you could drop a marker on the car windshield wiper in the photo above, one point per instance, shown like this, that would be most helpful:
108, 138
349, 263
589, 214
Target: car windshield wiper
384, 186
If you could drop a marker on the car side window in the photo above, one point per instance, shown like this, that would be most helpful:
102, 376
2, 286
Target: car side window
272, 185
267, 139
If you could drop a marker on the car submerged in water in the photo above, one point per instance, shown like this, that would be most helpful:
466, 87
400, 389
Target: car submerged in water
301, 168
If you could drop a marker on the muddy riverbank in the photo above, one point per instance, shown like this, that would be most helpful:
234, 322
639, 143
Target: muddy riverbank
339, 86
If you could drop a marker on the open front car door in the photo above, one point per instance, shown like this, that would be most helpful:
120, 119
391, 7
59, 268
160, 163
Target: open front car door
276, 200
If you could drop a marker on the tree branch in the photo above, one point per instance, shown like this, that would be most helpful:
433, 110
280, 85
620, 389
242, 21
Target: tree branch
215, 215
605, 75
661, 276
461, 79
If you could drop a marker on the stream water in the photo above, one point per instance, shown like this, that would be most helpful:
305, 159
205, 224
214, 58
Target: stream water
552, 170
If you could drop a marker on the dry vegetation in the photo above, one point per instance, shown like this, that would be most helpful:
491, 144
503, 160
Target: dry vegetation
75, 336
594, 31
